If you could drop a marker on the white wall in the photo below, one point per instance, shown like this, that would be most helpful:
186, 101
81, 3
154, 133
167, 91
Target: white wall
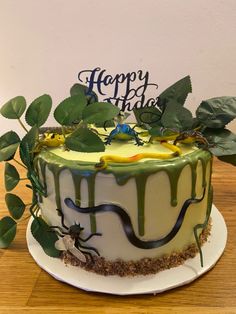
44, 44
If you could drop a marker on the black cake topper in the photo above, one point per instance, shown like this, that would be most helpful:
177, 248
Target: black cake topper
128, 90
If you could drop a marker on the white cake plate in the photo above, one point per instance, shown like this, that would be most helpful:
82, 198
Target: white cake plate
162, 281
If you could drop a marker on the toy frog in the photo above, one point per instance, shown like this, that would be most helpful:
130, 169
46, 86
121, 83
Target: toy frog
123, 132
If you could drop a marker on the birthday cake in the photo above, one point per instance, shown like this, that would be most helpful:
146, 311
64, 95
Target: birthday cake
135, 218
112, 197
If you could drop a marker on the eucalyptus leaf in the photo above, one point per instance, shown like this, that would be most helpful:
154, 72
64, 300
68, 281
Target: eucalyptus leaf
15, 205
84, 140
14, 108
106, 124
8, 145
231, 159
69, 111
11, 176
217, 112
45, 236
38, 111
148, 115
28, 144
221, 141
176, 117
79, 89
99, 112
177, 92
7, 231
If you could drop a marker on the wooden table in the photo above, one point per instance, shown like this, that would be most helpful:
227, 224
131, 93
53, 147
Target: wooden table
25, 288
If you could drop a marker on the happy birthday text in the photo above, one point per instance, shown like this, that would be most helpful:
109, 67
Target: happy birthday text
127, 91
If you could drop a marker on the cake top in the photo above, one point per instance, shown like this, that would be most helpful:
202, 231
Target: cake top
164, 130
121, 149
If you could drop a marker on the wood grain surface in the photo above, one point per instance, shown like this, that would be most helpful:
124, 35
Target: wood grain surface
25, 288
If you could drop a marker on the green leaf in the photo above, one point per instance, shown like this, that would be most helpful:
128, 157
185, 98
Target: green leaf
14, 108
15, 205
99, 112
79, 89
7, 231
221, 141
27, 145
8, 145
45, 236
231, 159
107, 124
177, 92
11, 176
217, 112
84, 140
147, 115
39, 110
176, 117
69, 111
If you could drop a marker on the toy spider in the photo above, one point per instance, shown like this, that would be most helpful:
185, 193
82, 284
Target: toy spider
74, 232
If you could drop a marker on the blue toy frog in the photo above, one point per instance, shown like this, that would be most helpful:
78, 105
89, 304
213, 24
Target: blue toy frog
123, 132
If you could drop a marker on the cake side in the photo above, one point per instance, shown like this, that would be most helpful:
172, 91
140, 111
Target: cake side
163, 200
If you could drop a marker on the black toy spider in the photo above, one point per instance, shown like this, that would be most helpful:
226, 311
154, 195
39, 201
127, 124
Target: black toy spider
74, 232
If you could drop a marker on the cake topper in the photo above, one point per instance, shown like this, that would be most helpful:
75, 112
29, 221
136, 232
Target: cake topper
128, 90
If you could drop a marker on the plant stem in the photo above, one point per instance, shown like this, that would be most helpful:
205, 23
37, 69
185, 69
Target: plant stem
19, 163
31, 209
63, 131
28, 204
27, 217
21, 123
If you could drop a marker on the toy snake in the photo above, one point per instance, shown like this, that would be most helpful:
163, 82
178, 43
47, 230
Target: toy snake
127, 224
104, 160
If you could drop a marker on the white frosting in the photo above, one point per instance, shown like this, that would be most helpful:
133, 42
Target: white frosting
160, 215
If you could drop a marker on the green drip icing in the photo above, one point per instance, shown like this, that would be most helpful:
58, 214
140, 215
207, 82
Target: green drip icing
122, 174
77, 178
174, 173
204, 166
91, 196
208, 213
141, 181
194, 178
77, 175
203, 225
56, 174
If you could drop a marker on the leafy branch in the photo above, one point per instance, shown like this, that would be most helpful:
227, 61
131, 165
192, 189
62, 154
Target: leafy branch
79, 111
74, 114
212, 117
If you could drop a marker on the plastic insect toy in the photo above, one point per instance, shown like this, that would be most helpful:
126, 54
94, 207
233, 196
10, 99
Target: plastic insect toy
73, 233
191, 136
123, 132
